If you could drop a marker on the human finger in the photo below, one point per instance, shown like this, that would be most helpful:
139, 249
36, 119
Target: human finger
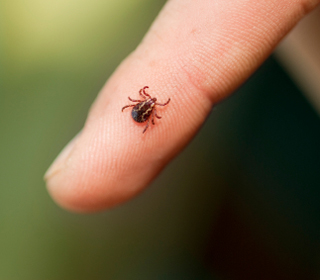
196, 53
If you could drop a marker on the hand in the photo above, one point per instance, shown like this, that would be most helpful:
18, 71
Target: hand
196, 53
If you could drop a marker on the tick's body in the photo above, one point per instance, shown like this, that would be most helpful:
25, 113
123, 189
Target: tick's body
145, 109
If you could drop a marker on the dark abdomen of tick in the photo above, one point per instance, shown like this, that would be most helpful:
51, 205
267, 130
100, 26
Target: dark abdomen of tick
142, 111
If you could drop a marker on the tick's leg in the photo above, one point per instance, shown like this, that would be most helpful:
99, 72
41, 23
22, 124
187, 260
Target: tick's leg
140, 92
146, 127
133, 100
144, 92
127, 107
152, 116
155, 113
164, 103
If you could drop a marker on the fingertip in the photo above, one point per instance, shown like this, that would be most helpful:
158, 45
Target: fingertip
103, 170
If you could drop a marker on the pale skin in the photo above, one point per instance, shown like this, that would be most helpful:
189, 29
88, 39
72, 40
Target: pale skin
195, 50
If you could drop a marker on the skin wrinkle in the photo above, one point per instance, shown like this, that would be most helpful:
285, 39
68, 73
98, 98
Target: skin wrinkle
307, 5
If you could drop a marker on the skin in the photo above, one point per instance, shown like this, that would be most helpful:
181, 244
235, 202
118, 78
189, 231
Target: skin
196, 50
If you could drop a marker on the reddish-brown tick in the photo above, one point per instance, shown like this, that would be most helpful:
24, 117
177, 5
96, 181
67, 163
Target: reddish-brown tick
144, 110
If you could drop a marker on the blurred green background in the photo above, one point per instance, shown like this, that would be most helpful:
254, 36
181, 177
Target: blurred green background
241, 202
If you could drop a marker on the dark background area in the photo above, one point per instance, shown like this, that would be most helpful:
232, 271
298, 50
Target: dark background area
241, 202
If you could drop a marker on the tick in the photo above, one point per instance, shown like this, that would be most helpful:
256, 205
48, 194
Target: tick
145, 109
